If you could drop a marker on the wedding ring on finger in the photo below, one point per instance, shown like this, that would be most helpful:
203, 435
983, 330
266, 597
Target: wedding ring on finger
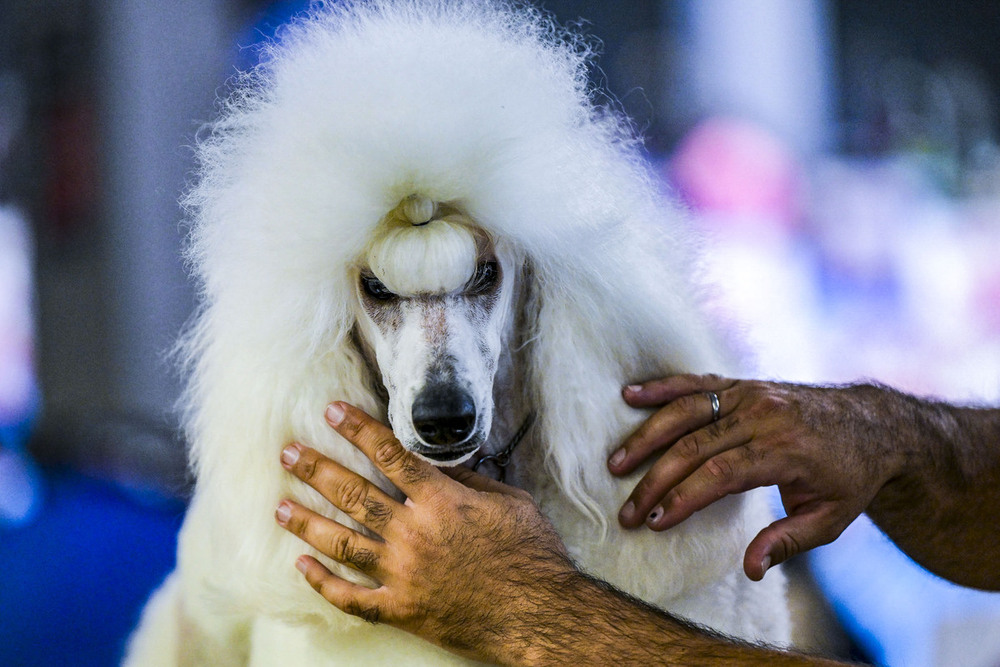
714, 398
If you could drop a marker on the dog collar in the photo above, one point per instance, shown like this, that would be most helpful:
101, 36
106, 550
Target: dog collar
502, 458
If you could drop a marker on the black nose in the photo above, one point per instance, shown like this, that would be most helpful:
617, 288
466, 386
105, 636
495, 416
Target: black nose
444, 415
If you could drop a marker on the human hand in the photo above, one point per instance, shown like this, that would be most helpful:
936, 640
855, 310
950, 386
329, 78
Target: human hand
461, 563
825, 449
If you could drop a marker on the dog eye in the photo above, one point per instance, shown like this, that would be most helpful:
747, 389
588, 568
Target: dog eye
485, 279
374, 288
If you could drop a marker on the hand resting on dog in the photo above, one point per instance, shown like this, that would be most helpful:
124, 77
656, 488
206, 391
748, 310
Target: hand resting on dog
472, 565
927, 473
425, 547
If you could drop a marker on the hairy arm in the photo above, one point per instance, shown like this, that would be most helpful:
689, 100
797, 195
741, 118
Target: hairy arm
942, 507
586, 621
472, 565
926, 472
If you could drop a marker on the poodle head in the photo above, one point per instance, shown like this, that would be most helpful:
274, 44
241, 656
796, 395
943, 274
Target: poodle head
434, 301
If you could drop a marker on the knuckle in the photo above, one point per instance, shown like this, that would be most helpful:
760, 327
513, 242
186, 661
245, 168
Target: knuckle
388, 454
343, 550
690, 447
643, 490
689, 403
297, 525
766, 404
721, 470
677, 498
307, 469
364, 560
351, 494
649, 489
369, 613
324, 587
790, 545
412, 472
351, 428
643, 437
377, 514
751, 454
340, 548
717, 429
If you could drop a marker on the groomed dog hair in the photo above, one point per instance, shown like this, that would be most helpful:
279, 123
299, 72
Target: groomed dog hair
367, 103
447, 250
484, 106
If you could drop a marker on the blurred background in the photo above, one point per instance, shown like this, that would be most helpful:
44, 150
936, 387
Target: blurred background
840, 156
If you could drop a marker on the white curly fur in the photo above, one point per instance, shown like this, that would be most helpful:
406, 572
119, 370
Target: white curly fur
486, 107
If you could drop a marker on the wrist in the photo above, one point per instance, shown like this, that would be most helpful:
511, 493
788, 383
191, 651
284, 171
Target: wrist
922, 451
584, 621
889, 426
543, 624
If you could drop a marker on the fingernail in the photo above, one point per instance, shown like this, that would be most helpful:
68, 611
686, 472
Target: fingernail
300, 564
633, 389
654, 516
283, 513
765, 563
289, 455
627, 512
335, 414
617, 458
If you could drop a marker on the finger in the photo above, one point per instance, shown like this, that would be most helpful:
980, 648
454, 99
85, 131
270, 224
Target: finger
788, 537
668, 424
474, 480
658, 392
678, 463
335, 540
411, 475
350, 598
733, 471
350, 492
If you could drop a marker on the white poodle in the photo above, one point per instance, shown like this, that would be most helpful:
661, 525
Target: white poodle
415, 206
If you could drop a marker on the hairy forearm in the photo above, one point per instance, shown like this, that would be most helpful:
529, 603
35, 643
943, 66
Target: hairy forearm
943, 506
585, 621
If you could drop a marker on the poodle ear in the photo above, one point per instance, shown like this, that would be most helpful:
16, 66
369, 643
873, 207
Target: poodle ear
269, 389
598, 327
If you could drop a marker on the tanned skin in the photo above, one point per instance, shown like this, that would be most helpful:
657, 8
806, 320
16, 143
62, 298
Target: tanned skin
927, 473
471, 564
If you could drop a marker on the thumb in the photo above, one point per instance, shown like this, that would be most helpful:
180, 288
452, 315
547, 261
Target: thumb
788, 537
474, 480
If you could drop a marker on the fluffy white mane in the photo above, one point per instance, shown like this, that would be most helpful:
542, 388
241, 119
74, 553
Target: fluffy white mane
475, 103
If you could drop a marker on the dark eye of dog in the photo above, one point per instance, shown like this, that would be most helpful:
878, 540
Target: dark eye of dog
485, 279
374, 288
